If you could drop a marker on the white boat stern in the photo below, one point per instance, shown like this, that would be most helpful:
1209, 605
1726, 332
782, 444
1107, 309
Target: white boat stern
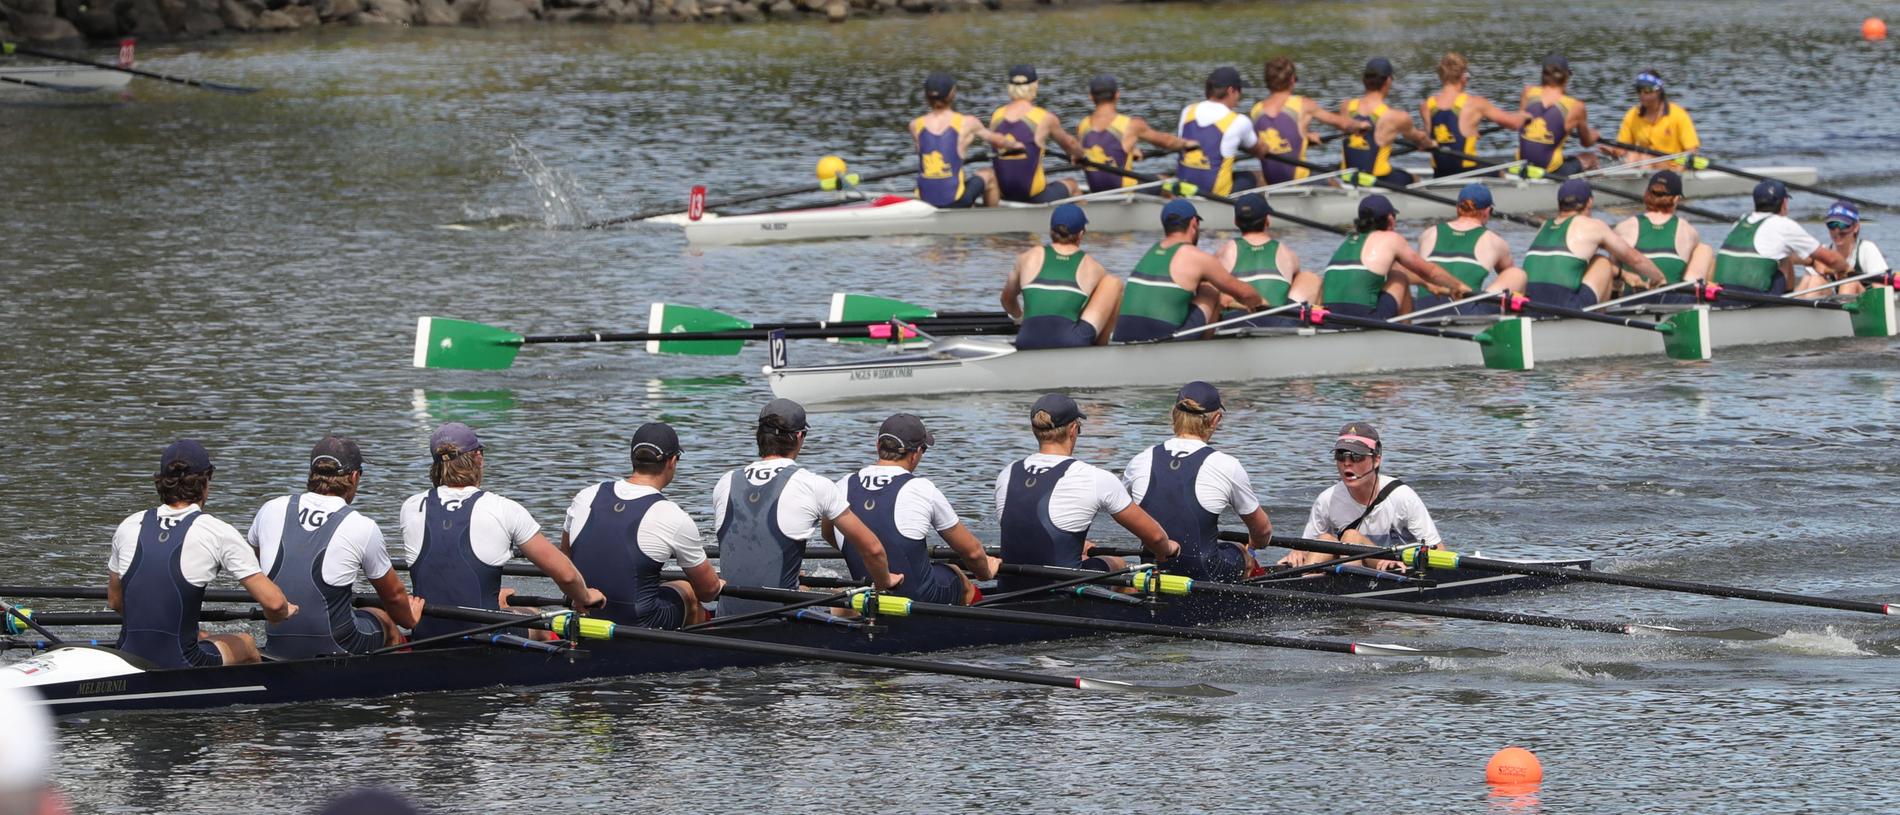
71, 664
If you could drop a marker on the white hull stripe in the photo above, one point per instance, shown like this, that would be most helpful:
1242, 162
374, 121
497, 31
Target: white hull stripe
170, 694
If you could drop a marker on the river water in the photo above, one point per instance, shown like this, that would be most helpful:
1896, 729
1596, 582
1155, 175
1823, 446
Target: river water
247, 270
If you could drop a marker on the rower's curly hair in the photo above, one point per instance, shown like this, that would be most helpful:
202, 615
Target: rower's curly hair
175, 486
328, 478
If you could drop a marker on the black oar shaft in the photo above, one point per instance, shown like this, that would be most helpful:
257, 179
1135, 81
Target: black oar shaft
1218, 199
1388, 183
1602, 188
11, 48
1727, 293
1587, 316
1733, 170
1323, 316
855, 329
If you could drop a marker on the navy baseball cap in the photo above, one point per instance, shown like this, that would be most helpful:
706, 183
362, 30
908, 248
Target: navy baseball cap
655, 441
454, 433
340, 453
1251, 207
1376, 206
784, 416
908, 431
1178, 212
1770, 194
184, 457
1475, 194
1203, 394
1574, 193
1224, 77
1379, 66
1104, 84
1557, 60
1069, 218
1666, 182
1844, 213
1061, 409
939, 85
1022, 74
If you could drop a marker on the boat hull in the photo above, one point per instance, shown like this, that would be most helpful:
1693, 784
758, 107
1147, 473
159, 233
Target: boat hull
473, 667
76, 76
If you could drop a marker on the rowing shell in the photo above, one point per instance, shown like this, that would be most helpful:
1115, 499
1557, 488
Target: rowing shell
971, 365
78, 679
76, 76
894, 215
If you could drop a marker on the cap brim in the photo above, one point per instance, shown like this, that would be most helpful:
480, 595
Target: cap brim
1353, 447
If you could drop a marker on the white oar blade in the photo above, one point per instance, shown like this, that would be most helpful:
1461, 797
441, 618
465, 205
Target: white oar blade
1741, 634
1373, 649
1112, 686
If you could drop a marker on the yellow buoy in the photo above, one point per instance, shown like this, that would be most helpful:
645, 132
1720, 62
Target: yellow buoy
830, 167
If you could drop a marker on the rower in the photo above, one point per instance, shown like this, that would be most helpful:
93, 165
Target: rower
1666, 239
1551, 114
1366, 507
1467, 248
1109, 136
1658, 126
1176, 285
1048, 500
1370, 149
1282, 121
1372, 271
901, 508
1062, 297
765, 512
1019, 175
942, 136
457, 537
1764, 247
1563, 267
313, 546
163, 558
1261, 261
1454, 113
621, 533
1216, 134
1863, 257
1186, 485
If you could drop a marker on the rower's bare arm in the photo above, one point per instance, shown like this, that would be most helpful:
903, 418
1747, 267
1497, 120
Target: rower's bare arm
1826, 256
1002, 142
1502, 251
1013, 289
1500, 117
829, 532
705, 581
870, 551
1622, 252
1212, 273
1228, 254
277, 607
1159, 138
115, 592
1406, 126
548, 558
567, 544
1413, 262
970, 550
1144, 527
1070, 144
404, 608
1586, 135
1259, 528
1337, 121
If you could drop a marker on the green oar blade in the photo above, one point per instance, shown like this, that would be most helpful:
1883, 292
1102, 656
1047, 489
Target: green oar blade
1872, 313
667, 318
1688, 334
847, 306
1506, 346
446, 343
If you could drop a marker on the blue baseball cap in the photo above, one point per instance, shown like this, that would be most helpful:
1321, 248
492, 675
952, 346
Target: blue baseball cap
1062, 410
1475, 194
1649, 79
184, 457
1556, 60
1178, 213
1769, 195
1378, 66
784, 417
1068, 218
1574, 193
1223, 78
1022, 74
1843, 212
1376, 206
654, 441
1251, 207
1203, 394
454, 433
1104, 84
939, 85
1666, 182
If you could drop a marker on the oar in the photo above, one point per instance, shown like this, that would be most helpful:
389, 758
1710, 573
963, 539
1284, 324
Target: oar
1443, 559
1605, 188
46, 86
1871, 314
14, 48
567, 623
1505, 346
1685, 334
17, 616
1309, 598
1701, 163
35, 619
1190, 190
1365, 179
822, 186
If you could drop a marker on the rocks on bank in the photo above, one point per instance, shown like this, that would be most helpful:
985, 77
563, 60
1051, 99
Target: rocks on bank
61, 20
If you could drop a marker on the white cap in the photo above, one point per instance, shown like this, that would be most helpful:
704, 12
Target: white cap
26, 739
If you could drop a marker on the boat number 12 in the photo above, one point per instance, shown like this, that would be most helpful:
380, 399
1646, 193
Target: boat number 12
775, 345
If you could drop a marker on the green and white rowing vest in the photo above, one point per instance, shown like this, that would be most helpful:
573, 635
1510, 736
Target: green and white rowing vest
1259, 267
1457, 251
1658, 243
1347, 279
1738, 264
1054, 292
1152, 292
1549, 259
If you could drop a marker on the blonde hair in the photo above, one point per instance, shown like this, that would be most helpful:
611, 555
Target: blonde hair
1187, 422
1452, 67
1046, 429
454, 468
1023, 92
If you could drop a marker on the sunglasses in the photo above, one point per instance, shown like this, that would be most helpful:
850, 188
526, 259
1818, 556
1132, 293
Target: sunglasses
1342, 455
1648, 88
1837, 226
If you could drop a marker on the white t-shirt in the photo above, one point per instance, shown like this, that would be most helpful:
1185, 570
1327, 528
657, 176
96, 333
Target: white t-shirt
1084, 491
665, 532
1400, 518
921, 507
211, 546
1780, 237
1221, 485
498, 524
806, 503
1867, 258
356, 547
1239, 134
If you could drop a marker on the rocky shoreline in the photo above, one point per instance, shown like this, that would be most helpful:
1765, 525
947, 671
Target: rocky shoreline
44, 21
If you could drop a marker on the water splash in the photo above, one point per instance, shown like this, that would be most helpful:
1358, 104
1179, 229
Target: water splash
557, 193
1826, 642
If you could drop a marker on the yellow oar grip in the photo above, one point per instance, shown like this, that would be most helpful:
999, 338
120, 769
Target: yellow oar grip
1148, 580
1434, 558
889, 604
587, 628
14, 625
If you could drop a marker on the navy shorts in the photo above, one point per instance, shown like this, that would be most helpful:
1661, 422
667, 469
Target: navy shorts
1051, 191
973, 186
1054, 332
1554, 295
203, 654
1144, 329
1223, 563
1386, 310
941, 583
366, 634
669, 610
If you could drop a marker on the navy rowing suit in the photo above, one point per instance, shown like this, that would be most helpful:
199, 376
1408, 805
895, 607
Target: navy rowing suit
607, 552
161, 606
876, 506
298, 570
446, 571
752, 549
1171, 501
1030, 537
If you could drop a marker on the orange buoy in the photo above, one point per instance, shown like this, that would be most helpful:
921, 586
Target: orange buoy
1514, 765
1873, 29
